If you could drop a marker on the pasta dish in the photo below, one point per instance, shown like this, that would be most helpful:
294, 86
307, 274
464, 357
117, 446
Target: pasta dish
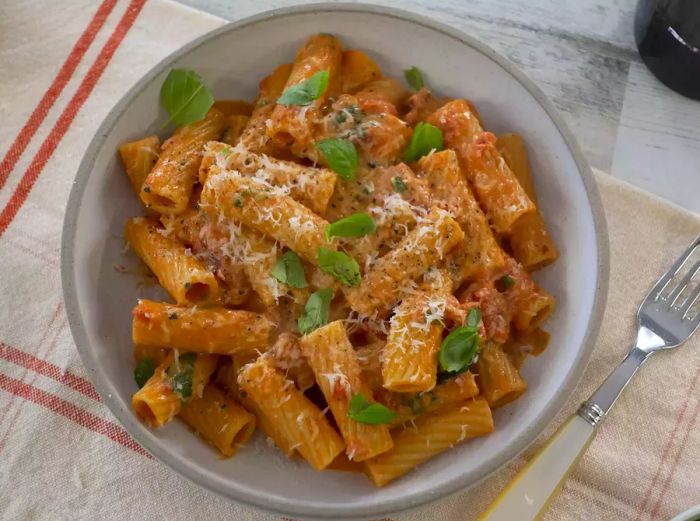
347, 261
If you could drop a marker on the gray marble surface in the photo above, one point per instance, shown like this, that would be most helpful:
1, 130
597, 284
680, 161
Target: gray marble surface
582, 54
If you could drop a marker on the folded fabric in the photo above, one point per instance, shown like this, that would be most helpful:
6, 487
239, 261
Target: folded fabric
64, 456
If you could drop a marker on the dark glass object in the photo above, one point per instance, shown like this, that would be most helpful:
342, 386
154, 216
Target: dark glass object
668, 38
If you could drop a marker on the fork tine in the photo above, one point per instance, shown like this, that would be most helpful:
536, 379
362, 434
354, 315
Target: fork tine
673, 296
689, 303
677, 265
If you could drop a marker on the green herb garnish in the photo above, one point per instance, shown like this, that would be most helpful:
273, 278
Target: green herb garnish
316, 311
361, 410
305, 92
290, 271
414, 77
143, 371
355, 225
343, 267
507, 281
185, 97
425, 139
459, 349
398, 184
181, 378
340, 155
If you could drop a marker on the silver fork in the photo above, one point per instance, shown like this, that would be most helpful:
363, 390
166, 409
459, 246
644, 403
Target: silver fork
664, 322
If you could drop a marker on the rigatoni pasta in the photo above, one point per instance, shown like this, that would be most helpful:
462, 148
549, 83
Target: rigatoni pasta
294, 416
201, 330
348, 266
219, 420
499, 192
168, 187
529, 239
410, 354
332, 358
392, 274
500, 381
431, 435
186, 278
291, 125
139, 158
265, 209
177, 380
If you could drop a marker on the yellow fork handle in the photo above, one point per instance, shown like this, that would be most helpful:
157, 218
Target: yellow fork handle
527, 497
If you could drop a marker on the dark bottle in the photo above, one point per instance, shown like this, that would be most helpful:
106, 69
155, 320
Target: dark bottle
668, 38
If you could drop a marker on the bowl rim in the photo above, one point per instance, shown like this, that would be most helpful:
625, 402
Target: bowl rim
258, 499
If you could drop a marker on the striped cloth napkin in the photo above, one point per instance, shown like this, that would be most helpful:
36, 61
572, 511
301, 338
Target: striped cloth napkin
63, 455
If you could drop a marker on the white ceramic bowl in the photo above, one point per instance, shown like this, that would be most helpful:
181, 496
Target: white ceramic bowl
689, 515
232, 60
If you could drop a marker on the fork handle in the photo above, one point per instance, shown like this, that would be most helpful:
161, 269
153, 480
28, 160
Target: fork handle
528, 495
597, 406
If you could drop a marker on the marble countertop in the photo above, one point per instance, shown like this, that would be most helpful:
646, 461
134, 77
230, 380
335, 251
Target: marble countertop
582, 54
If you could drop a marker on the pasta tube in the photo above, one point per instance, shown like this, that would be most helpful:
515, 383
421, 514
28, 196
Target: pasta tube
308, 185
200, 330
497, 189
139, 158
291, 126
499, 380
478, 253
219, 420
168, 187
357, 70
424, 246
431, 435
178, 379
254, 136
529, 239
178, 271
410, 354
295, 418
332, 358
266, 210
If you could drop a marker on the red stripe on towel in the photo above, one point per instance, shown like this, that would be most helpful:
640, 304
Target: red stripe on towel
49, 370
65, 73
667, 448
72, 412
68, 115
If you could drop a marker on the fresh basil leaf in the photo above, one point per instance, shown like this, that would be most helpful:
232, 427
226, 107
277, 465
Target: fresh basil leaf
306, 91
143, 371
425, 139
355, 225
181, 374
507, 281
459, 349
414, 77
361, 410
316, 311
290, 271
398, 184
343, 267
185, 97
473, 318
341, 156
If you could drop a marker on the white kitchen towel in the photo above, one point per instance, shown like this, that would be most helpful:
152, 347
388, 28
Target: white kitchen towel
64, 456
